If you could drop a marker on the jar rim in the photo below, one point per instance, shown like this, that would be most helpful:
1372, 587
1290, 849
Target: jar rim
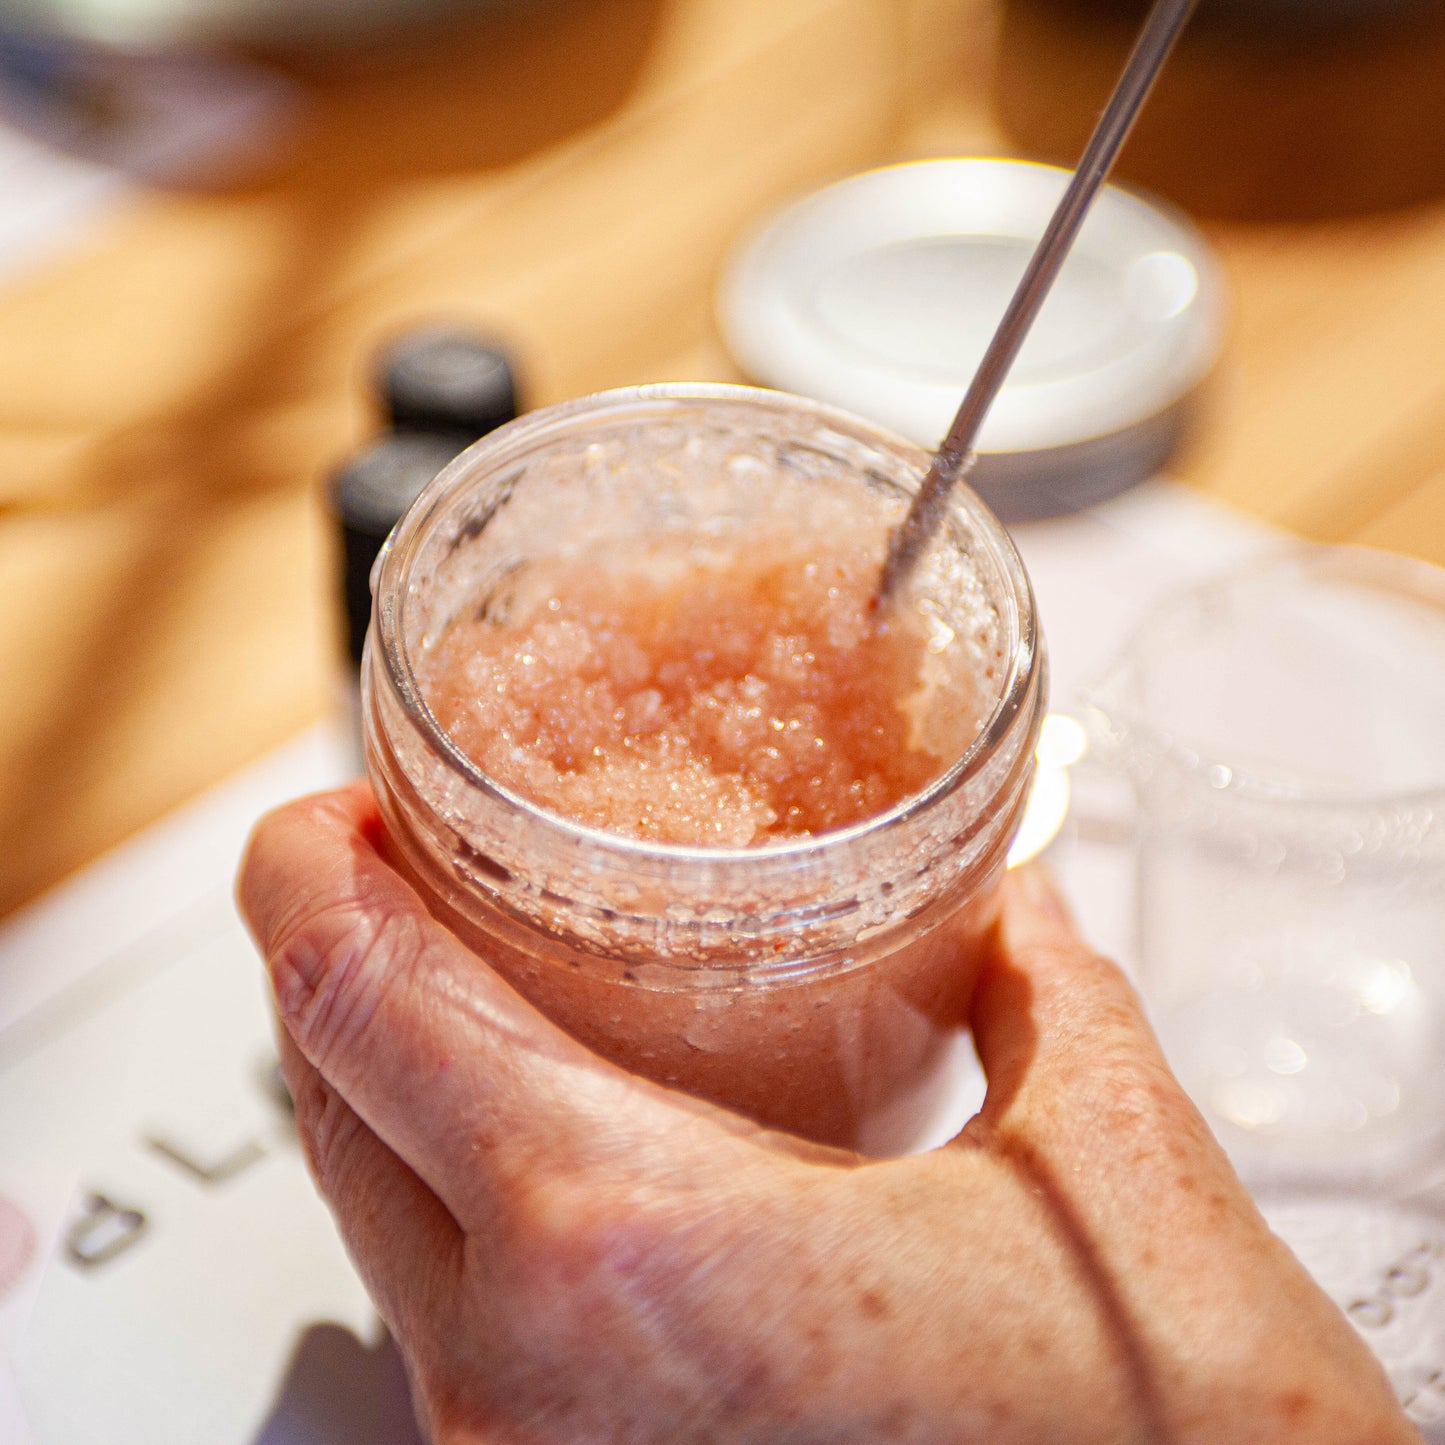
1024, 662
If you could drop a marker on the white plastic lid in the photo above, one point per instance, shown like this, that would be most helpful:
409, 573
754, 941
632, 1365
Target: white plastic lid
879, 294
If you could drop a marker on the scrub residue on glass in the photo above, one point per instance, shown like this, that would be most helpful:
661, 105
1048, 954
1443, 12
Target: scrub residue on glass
708, 692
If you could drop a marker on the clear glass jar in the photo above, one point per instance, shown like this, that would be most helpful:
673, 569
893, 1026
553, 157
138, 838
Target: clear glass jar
818, 984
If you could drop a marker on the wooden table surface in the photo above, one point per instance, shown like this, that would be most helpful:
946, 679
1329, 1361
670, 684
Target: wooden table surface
570, 177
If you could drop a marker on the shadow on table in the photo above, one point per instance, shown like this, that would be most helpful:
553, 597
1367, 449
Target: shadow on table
378, 137
1268, 110
339, 1391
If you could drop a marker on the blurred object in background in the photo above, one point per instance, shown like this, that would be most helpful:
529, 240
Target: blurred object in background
1306, 14
1284, 730
1269, 110
879, 294
441, 379
155, 24
146, 86
192, 122
439, 389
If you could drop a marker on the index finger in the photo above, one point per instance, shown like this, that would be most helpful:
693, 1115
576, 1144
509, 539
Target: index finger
452, 1068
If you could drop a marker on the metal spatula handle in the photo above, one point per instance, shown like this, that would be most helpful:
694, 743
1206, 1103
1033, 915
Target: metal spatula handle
956, 456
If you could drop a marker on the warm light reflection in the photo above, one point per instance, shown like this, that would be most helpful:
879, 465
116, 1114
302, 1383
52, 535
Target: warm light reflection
1249, 1104
1062, 742
1384, 985
1284, 1056
1161, 284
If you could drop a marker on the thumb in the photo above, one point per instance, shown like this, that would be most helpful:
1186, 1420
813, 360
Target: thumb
1077, 1083
1055, 1023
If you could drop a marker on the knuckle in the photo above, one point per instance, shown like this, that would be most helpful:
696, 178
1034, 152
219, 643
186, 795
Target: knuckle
1096, 998
332, 968
1102, 975
549, 1217
569, 1235
1144, 1114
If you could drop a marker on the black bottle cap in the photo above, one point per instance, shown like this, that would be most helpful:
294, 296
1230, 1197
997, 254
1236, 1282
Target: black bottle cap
436, 378
368, 496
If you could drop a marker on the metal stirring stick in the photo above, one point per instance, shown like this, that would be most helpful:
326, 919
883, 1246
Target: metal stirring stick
955, 458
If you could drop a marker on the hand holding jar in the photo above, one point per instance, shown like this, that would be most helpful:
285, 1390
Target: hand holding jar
567, 1252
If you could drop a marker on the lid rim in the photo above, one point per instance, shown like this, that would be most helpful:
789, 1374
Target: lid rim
764, 305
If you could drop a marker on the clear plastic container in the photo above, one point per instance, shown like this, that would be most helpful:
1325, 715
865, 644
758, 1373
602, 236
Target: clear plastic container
819, 984
1284, 730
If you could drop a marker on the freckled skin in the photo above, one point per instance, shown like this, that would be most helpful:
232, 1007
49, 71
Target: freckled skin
873, 1305
568, 1254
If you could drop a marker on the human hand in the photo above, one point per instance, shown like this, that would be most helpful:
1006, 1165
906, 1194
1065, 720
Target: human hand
567, 1253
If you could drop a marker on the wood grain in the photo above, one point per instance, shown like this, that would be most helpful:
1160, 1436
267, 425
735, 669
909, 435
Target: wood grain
570, 177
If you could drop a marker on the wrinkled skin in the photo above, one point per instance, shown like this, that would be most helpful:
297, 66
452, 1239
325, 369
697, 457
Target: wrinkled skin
566, 1253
